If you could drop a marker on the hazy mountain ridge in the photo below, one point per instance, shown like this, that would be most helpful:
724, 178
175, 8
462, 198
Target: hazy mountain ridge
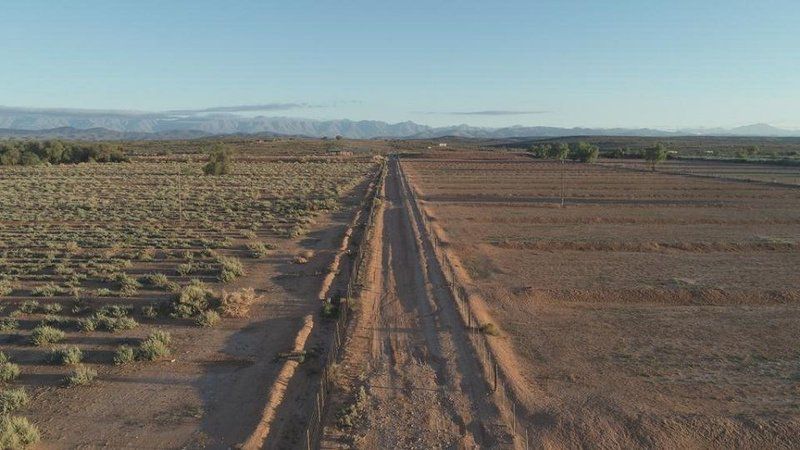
133, 125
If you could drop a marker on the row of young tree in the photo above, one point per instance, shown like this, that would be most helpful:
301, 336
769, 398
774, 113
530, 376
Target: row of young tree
31, 153
586, 152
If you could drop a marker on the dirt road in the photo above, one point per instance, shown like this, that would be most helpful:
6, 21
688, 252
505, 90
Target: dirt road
424, 384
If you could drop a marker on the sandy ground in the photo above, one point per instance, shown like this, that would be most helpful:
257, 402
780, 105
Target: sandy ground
634, 347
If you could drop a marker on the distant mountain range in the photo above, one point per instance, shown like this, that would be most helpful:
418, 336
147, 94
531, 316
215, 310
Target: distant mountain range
119, 125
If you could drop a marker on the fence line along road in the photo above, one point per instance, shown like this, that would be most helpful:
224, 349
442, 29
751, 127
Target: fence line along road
354, 287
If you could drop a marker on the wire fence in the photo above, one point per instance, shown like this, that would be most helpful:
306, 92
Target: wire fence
497, 382
354, 285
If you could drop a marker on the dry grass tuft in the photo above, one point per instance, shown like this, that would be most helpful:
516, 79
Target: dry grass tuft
238, 303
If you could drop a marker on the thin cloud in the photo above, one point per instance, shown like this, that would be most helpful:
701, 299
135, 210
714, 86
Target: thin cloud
245, 108
495, 112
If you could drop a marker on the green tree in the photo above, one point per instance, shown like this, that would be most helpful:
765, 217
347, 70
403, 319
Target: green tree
220, 161
560, 151
655, 155
585, 152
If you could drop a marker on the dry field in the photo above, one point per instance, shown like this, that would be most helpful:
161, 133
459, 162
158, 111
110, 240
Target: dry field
737, 171
94, 258
652, 310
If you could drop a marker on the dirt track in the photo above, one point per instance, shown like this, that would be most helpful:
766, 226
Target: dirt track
425, 386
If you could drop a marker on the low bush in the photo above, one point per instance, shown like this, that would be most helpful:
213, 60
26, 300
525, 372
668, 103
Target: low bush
238, 303
193, 299
207, 319
490, 329
45, 334
124, 355
13, 399
81, 376
159, 280
29, 306
47, 290
8, 324
156, 346
17, 433
258, 249
230, 269
66, 356
8, 371
6, 286
52, 308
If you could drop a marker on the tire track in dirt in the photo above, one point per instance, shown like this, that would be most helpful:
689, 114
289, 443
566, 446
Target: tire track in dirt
426, 388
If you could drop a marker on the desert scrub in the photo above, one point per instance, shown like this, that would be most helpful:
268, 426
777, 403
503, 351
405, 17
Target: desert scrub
81, 376
47, 290
238, 303
52, 308
207, 319
124, 355
13, 399
45, 334
8, 324
17, 433
258, 249
127, 284
230, 269
185, 269
351, 414
8, 370
160, 281
490, 329
66, 356
193, 299
154, 347
29, 306
6, 286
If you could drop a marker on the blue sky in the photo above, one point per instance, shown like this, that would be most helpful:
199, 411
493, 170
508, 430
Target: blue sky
664, 64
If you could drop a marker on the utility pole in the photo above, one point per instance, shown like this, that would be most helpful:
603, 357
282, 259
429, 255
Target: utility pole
562, 182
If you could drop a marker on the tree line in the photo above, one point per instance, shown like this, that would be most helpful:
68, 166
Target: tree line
588, 153
31, 153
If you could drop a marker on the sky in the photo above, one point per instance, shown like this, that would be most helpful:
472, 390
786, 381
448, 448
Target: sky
623, 63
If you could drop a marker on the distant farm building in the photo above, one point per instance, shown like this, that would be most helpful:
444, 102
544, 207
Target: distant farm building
442, 144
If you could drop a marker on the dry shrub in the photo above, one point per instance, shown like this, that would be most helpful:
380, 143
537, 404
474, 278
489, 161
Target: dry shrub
17, 433
238, 303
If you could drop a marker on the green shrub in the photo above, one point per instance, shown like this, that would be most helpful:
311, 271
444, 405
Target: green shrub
127, 284
6, 286
207, 319
114, 324
67, 356
258, 249
8, 324
220, 161
124, 355
185, 269
193, 299
52, 308
47, 290
12, 400
8, 372
230, 269
29, 306
154, 347
159, 280
150, 311
87, 324
81, 376
17, 433
45, 334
